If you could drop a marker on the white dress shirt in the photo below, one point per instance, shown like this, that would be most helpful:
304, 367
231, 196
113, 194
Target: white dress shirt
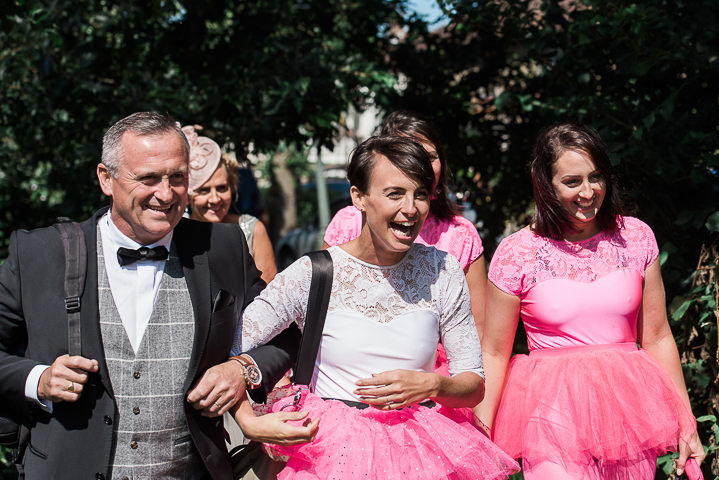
134, 289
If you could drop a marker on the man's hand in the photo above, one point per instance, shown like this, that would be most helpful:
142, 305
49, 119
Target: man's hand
218, 389
65, 379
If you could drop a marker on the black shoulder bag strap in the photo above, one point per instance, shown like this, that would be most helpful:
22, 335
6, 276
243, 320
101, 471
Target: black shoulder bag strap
319, 300
73, 241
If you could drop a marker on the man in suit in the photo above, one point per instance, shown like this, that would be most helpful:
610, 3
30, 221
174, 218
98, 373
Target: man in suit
161, 302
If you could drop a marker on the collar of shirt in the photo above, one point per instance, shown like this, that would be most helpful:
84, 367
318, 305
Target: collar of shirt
113, 238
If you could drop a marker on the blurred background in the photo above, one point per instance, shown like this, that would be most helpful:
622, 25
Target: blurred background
291, 87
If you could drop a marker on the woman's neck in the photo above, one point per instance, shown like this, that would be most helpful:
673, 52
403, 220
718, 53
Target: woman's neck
365, 248
588, 231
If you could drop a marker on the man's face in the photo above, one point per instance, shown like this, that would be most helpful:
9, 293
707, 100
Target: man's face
149, 194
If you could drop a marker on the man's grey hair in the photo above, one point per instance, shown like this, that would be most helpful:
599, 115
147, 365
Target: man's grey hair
142, 124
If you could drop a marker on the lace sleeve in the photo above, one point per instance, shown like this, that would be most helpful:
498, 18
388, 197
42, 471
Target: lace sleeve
457, 329
345, 226
505, 269
282, 302
648, 243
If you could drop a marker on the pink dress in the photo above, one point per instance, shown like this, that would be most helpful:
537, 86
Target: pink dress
585, 392
457, 237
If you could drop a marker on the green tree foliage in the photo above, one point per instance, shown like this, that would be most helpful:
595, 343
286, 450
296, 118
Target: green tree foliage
260, 72
265, 72
643, 73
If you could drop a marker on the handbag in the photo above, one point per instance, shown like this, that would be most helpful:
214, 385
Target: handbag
252, 461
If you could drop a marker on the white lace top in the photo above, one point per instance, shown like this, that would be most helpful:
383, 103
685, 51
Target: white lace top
379, 318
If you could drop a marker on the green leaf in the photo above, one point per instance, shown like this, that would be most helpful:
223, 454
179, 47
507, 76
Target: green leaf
707, 418
712, 222
679, 312
501, 101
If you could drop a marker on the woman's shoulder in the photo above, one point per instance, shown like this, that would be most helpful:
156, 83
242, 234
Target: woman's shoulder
420, 254
245, 217
522, 237
638, 238
344, 226
455, 235
348, 213
632, 224
456, 225
635, 232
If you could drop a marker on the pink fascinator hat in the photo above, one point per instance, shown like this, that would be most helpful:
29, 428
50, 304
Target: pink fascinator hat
205, 156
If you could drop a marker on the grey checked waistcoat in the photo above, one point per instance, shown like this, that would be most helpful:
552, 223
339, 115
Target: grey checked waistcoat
151, 437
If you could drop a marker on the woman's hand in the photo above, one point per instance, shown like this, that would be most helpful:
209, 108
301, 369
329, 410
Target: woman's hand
693, 449
397, 388
275, 428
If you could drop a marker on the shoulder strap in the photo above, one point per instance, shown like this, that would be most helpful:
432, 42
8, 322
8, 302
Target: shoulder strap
73, 241
319, 300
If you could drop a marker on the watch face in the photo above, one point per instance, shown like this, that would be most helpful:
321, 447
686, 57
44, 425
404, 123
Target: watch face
253, 375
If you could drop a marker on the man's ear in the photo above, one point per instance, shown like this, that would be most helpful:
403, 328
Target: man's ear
103, 175
358, 198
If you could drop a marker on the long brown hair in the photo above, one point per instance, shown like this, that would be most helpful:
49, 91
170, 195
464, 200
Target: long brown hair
550, 218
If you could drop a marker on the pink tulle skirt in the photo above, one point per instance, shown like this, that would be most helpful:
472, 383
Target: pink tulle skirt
441, 366
414, 442
607, 403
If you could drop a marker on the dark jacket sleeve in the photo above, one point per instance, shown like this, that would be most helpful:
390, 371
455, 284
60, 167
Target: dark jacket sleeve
277, 356
14, 368
274, 359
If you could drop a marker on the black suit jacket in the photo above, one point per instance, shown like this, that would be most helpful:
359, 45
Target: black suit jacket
76, 441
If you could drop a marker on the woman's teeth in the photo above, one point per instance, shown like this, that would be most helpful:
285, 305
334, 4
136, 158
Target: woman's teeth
402, 229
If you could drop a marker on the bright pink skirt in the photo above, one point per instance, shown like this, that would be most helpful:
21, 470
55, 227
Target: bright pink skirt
608, 403
414, 442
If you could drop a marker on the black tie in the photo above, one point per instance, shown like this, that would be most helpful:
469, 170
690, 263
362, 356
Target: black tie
127, 256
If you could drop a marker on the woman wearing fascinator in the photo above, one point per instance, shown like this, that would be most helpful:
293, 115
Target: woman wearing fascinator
213, 187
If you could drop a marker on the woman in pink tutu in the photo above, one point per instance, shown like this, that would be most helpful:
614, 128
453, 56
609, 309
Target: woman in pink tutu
443, 229
391, 301
586, 403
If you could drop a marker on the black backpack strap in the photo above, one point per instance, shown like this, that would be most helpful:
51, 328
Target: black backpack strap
319, 300
73, 241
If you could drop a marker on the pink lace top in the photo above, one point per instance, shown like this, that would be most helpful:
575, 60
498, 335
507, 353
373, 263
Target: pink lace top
577, 293
457, 236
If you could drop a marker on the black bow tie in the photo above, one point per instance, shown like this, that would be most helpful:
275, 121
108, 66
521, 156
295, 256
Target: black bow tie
127, 256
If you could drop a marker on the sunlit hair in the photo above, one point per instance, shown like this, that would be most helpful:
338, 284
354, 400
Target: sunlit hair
402, 152
142, 124
406, 123
550, 218
231, 166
